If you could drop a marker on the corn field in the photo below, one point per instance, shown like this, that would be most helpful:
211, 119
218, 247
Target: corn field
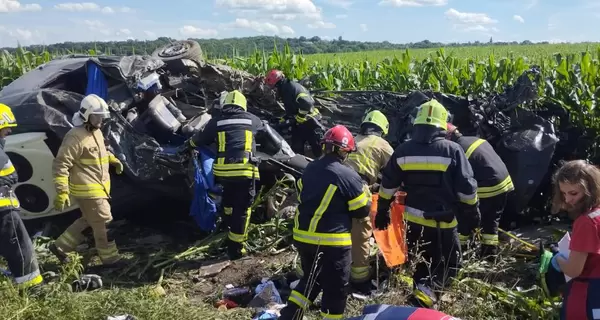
571, 79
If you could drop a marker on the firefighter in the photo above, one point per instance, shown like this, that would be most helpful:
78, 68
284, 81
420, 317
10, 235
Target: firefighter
373, 153
236, 167
15, 245
440, 187
300, 110
331, 195
80, 170
493, 185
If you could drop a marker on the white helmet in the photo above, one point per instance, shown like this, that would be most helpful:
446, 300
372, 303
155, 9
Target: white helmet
92, 104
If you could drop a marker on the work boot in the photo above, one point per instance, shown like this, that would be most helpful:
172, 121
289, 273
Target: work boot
60, 255
235, 250
363, 287
424, 296
488, 252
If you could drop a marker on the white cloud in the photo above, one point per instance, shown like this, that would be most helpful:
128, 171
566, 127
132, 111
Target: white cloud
340, 3
97, 26
124, 32
341, 16
298, 8
518, 18
89, 7
14, 6
531, 4
469, 18
413, 3
321, 25
258, 26
284, 16
363, 27
191, 31
286, 30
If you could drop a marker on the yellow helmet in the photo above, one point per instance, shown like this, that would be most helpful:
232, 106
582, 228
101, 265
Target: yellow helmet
377, 118
236, 98
432, 113
7, 118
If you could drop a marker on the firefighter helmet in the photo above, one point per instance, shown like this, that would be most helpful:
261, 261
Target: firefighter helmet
93, 104
432, 113
339, 137
7, 118
377, 118
273, 77
236, 98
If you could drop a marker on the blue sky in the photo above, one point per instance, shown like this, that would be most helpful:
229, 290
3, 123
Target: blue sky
400, 21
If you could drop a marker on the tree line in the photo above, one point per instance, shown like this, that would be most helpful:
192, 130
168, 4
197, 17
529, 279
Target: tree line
222, 48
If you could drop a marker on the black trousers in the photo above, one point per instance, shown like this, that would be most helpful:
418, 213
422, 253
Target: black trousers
17, 249
491, 212
238, 196
324, 268
436, 252
310, 131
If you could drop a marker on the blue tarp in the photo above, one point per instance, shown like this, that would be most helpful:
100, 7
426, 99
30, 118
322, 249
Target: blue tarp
204, 207
96, 82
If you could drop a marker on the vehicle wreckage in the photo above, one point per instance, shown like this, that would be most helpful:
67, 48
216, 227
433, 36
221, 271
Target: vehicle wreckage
45, 99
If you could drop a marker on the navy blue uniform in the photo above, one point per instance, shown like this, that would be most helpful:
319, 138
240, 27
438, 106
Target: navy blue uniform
331, 194
299, 104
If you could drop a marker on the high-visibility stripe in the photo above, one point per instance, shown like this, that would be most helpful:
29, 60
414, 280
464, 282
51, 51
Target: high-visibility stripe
424, 163
95, 161
299, 299
30, 279
299, 189
323, 239
359, 273
90, 189
7, 169
488, 192
314, 221
328, 316
248, 141
358, 202
467, 198
489, 239
473, 146
236, 237
386, 193
234, 121
417, 216
221, 141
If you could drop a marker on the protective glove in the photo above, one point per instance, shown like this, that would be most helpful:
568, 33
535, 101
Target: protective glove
62, 201
374, 188
382, 219
554, 262
117, 164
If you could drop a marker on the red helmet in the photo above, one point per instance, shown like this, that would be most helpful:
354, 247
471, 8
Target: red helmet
273, 77
339, 136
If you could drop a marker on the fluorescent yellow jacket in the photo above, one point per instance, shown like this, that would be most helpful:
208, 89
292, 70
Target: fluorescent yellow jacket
81, 165
373, 153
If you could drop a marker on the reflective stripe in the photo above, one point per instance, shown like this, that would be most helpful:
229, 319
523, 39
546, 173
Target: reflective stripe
489, 239
29, 280
299, 189
473, 146
467, 198
234, 121
9, 202
327, 316
417, 216
385, 193
358, 202
61, 180
221, 141
95, 161
299, 299
314, 221
324, 239
359, 273
90, 190
67, 242
301, 116
7, 169
248, 141
424, 163
248, 173
227, 211
301, 95
488, 192
236, 237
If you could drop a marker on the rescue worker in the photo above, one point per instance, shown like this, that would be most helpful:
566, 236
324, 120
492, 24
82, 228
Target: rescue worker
300, 110
236, 167
493, 185
331, 195
440, 188
373, 153
80, 170
15, 245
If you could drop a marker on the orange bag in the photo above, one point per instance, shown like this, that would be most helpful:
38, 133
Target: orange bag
391, 242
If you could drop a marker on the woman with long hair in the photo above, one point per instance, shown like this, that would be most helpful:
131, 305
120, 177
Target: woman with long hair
577, 191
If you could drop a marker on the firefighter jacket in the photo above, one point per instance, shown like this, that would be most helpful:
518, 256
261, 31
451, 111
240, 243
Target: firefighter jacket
437, 178
373, 153
8, 178
331, 194
297, 101
490, 171
81, 165
233, 130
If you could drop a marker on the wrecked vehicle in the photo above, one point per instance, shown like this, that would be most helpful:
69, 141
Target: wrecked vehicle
45, 99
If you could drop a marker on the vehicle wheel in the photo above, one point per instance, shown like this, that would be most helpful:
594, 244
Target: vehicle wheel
184, 49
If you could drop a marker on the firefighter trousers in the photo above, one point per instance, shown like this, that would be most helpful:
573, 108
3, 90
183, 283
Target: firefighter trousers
95, 214
361, 233
436, 252
581, 300
238, 196
309, 131
324, 268
491, 212
17, 249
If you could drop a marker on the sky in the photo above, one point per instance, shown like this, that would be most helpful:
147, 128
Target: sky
400, 21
